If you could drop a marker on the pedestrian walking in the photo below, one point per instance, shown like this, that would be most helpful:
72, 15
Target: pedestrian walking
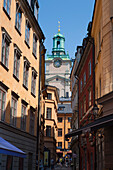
52, 164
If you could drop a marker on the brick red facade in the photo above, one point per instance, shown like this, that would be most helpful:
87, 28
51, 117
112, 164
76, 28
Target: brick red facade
85, 66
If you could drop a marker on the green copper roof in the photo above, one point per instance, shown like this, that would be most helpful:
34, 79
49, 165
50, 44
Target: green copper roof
58, 35
58, 49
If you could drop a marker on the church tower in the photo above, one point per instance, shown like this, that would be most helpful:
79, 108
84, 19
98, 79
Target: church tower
58, 66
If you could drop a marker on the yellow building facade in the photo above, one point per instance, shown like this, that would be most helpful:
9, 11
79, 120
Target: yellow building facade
64, 115
50, 131
102, 32
20, 37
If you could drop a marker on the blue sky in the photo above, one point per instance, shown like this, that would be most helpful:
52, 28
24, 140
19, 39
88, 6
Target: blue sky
74, 16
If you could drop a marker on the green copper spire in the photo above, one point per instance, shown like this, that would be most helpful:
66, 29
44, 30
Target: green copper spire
58, 49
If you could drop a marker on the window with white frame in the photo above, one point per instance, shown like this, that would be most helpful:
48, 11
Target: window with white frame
32, 121
27, 32
17, 54
36, 10
2, 103
34, 45
33, 83
6, 40
18, 17
26, 72
13, 111
49, 112
23, 117
7, 6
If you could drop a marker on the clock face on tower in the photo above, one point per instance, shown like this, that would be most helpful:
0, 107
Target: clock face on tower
57, 63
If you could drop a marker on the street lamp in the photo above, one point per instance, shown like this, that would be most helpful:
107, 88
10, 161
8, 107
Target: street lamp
95, 110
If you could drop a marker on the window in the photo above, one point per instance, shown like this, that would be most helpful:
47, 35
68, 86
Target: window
61, 108
21, 163
91, 161
84, 105
48, 131
9, 163
36, 10
59, 132
81, 86
60, 144
13, 111
27, 32
69, 144
89, 98
30, 160
49, 111
2, 104
34, 45
81, 109
100, 86
99, 40
26, 72
85, 159
67, 94
7, 6
23, 117
6, 40
59, 119
68, 130
89, 68
49, 96
84, 78
58, 44
18, 17
17, 54
33, 83
32, 121
69, 119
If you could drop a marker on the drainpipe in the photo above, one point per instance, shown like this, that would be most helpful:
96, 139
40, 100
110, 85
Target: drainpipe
78, 118
94, 95
38, 116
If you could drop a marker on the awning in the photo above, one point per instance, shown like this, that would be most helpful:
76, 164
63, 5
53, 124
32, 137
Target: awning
97, 124
9, 149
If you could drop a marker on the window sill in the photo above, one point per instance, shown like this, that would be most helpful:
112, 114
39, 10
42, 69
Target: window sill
18, 30
34, 55
16, 77
27, 44
4, 66
25, 87
6, 13
33, 95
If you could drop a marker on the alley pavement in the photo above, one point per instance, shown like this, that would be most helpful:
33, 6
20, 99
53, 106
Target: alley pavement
59, 167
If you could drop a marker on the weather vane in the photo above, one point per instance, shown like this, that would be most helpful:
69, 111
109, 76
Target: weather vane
59, 26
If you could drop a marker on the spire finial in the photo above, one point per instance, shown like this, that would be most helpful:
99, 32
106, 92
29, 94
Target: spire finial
59, 26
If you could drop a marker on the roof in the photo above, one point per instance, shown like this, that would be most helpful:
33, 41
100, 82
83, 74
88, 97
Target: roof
63, 99
67, 108
59, 35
